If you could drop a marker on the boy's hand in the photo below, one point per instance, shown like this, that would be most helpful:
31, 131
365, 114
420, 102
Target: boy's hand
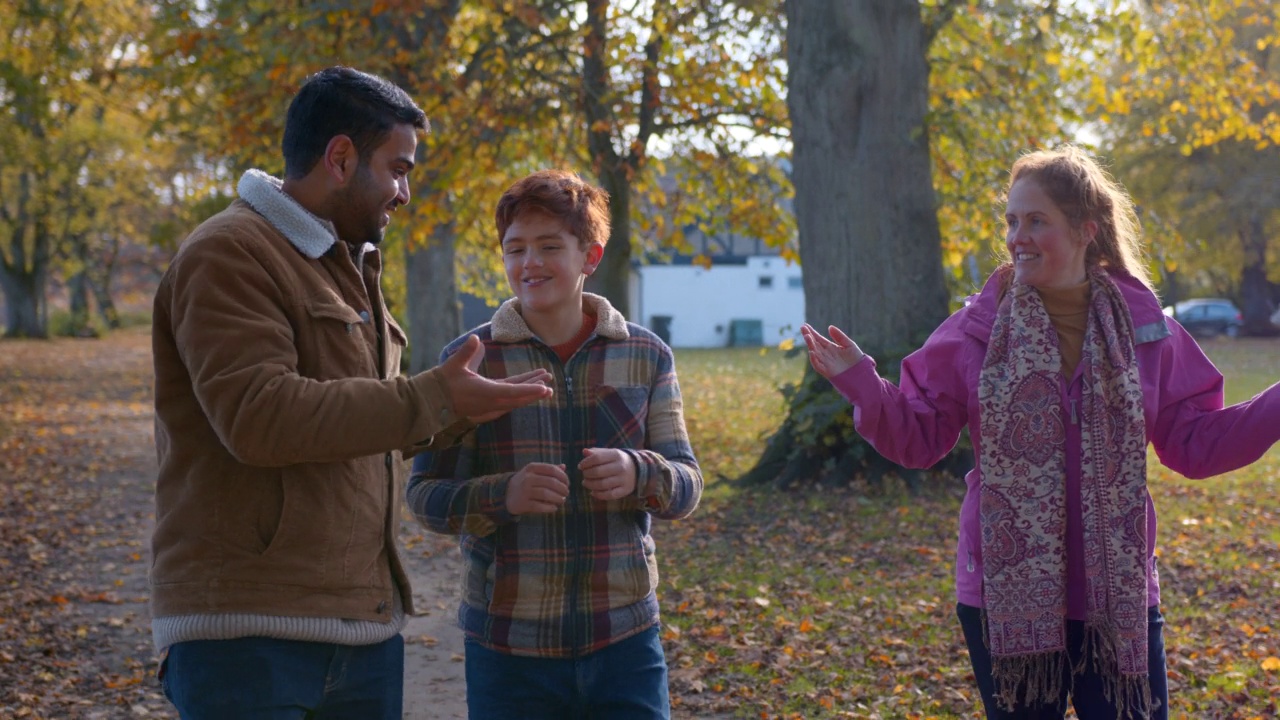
827, 357
608, 473
481, 399
537, 488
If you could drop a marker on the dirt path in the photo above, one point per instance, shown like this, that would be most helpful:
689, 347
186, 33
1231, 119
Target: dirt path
77, 471
77, 467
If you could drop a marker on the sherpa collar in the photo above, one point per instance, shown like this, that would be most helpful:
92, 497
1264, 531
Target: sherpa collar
508, 326
312, 236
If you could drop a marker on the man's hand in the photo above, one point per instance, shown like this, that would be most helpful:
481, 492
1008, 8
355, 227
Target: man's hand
827, 357
608, 473
480, 399
537, 488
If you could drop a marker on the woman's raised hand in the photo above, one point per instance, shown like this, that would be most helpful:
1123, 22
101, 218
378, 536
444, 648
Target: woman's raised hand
830, 357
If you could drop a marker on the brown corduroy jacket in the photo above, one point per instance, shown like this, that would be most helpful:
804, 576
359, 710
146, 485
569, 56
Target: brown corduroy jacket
281, 420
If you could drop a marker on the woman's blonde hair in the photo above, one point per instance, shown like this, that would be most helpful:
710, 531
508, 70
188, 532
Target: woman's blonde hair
1083, 190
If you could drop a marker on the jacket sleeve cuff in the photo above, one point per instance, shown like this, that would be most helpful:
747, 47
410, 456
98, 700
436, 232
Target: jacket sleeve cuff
493, 500
652, 479
436, 409
446, 438
852, 380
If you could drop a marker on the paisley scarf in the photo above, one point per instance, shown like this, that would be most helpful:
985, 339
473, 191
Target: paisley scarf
1023, 501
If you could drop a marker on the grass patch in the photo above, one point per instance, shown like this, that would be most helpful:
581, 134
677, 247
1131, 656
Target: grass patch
841, 603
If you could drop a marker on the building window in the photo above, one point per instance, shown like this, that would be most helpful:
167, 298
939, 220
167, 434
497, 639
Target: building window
795, 283
766, 282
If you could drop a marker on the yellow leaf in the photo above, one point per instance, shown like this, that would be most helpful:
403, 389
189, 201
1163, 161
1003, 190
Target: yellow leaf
1271, 664
1053, 57
1044, 22
787, 344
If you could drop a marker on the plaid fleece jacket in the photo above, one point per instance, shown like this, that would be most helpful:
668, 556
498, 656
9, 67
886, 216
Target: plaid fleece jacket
571, 582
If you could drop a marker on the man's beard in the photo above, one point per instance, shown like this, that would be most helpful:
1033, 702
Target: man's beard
362, 219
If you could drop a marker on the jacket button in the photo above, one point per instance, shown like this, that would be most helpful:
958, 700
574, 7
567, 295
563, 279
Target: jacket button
382, 607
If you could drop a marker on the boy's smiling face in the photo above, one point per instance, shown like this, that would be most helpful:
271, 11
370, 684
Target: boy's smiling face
545, 263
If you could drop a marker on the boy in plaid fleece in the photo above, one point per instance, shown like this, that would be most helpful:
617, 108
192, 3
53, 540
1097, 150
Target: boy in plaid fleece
553, 502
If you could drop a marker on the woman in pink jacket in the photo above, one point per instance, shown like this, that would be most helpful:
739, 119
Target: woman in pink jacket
1063, 368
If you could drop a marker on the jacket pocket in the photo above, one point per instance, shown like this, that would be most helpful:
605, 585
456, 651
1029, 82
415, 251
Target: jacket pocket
249, 512
619, 416
333, 343
328, 306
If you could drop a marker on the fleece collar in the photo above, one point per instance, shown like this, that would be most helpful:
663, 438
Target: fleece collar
509, 327
311, 235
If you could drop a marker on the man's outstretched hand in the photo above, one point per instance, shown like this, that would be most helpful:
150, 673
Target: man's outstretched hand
480, 399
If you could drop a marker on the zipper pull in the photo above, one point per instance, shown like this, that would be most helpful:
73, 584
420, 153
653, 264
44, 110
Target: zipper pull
970, 565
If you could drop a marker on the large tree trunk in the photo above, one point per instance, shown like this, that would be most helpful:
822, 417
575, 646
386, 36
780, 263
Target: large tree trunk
858, 91
25, 302
435, 317
25, 282
858, 83
1256, 307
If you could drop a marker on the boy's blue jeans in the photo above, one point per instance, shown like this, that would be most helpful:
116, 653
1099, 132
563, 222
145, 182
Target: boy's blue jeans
1088, 698
266, 679
624, 681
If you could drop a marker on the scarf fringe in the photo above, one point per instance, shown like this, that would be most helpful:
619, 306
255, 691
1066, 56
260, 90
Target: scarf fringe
1040, 676
1130, 693
1029, 680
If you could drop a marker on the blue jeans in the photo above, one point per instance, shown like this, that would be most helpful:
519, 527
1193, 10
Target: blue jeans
267, 679
1085, 689
624, 681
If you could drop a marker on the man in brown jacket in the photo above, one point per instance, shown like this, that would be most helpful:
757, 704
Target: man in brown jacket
281, 423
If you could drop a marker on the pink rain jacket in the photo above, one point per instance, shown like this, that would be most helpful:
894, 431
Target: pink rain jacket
916, 423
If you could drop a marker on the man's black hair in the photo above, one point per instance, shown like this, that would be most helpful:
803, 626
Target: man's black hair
343, 101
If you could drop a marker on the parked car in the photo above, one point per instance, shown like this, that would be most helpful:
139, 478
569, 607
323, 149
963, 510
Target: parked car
1207, 317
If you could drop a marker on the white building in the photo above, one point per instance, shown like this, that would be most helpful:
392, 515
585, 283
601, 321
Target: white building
740, 300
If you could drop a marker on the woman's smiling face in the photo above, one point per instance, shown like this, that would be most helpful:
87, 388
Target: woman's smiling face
1046, 251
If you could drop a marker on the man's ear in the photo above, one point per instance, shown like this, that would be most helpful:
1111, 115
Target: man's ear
340, 159
595, 252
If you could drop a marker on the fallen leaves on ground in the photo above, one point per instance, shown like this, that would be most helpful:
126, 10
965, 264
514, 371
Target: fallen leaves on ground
78, 464
828, 603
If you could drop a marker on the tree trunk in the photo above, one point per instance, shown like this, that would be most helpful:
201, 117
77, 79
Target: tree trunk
614, 168
435, 316
26, 283
858, 91
78, 289
612, 277
1256, 306
25, 301
101, 288
858, 83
